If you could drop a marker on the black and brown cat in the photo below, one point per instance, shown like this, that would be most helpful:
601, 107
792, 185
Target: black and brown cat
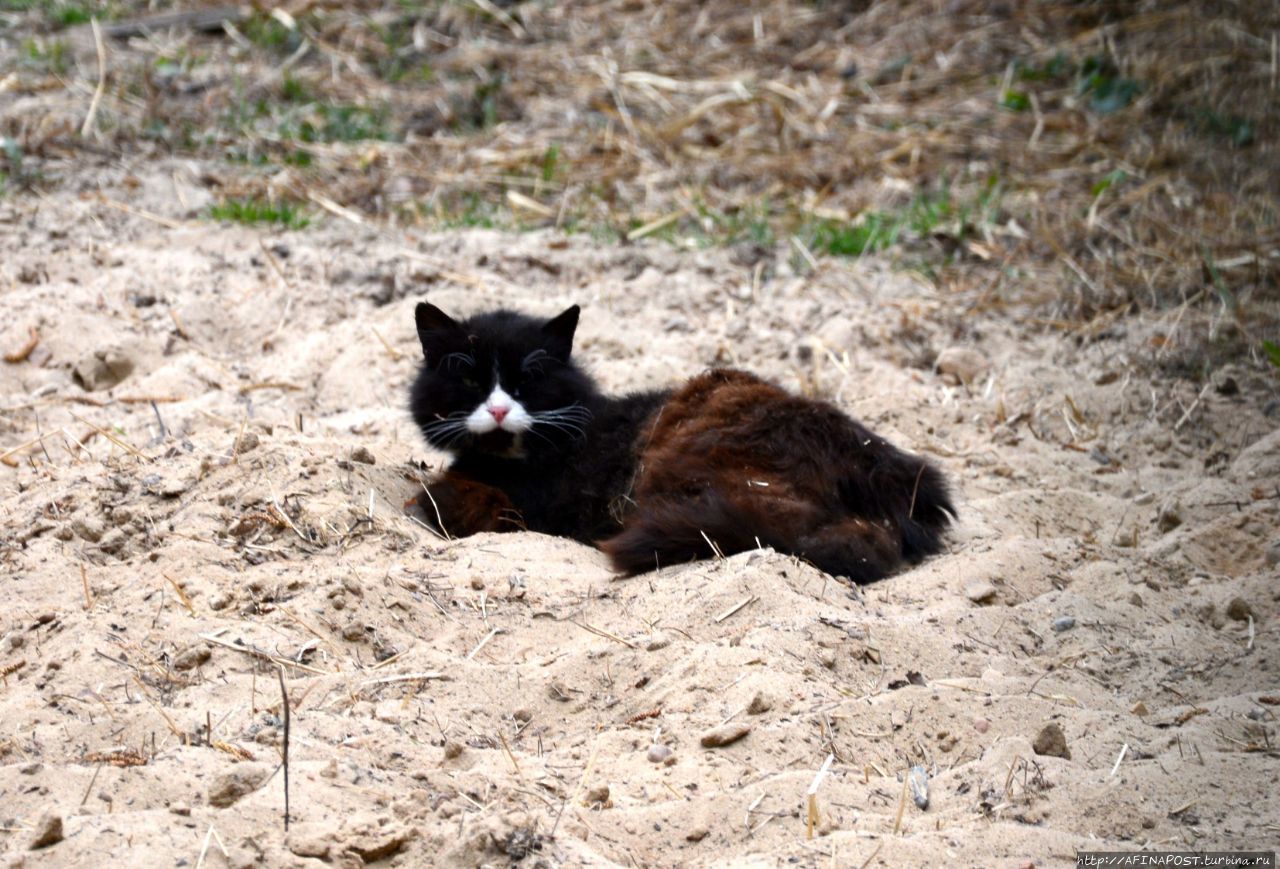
725, 463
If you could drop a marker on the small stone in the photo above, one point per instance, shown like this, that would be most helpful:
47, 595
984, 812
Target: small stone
559, 691
234, 783
981, 724
658, 753
1064, 623
1273, 554
961, 364
247, 441
697, 834
1144, 498
363, 456
353, 631
310, 840
102, 369
1052, 742
89, 528
1135, 599
191, 657
597, 796
182, 810
980, 592
477, 582
759, 704
918, 784
1239, 610
726, 734
1169, 517
1139, 709
657, 641
47, 831
220, 601
453, 749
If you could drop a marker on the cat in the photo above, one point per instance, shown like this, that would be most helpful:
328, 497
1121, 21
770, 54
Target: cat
726, 463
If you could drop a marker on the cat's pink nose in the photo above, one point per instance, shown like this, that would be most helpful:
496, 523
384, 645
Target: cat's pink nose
499, 413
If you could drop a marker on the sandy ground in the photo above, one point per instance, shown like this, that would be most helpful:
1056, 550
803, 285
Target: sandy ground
503, 698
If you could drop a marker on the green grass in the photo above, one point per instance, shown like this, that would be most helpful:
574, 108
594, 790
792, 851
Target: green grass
1272, 349
928, 213
340, 123
46, 55
254, 211
1107, 90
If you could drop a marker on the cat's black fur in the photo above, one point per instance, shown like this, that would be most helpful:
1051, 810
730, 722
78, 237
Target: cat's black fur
655, 478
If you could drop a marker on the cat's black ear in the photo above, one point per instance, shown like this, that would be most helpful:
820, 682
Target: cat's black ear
561, 329
431, 320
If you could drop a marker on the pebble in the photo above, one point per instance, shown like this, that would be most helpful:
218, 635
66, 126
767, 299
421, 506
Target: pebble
363, 456
981, 724
47, 831
102, 369
759, 704
353, 631
191, 657
1052, 742
980, 592
961, 364
726, 734
697, 834
1064, 623
453, 749
658, 753
1144, 499
90, 528
597, 796
232, 784
1273, 554
657, 641
918, 784
248, 441
1239, 610
1135, 599
1169, 517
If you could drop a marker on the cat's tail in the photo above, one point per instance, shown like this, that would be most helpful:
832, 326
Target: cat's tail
912, 494
663, 532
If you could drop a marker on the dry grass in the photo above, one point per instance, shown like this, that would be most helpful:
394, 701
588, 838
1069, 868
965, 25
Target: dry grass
1091, 159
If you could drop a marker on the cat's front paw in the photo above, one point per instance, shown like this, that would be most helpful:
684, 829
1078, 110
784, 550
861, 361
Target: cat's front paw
459, 507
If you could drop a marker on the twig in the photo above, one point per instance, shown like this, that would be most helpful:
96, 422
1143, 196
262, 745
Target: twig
733, 609
88, 593
1124, 749
480, 645
87, 127
266, 656
284, 753
605, 634
407, 677
115, 440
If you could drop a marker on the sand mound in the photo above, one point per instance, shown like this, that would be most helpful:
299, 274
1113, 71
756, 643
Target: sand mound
215, 499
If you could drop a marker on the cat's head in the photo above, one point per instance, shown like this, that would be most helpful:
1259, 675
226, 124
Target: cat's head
500, 383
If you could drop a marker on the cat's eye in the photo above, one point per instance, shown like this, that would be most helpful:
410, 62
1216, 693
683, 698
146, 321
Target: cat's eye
470, 383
